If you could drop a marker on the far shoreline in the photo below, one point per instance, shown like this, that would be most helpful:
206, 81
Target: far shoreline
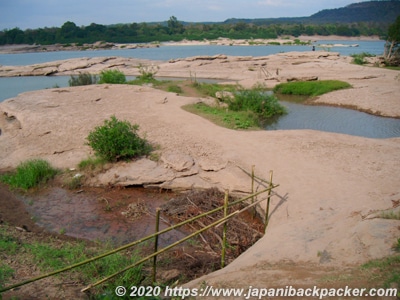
101, 45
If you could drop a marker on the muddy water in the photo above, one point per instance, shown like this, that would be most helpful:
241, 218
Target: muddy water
118, 216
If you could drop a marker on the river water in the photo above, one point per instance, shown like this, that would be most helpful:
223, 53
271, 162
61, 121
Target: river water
166, 53
300, 116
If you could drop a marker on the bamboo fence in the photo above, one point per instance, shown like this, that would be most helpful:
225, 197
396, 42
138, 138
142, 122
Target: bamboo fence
157, 233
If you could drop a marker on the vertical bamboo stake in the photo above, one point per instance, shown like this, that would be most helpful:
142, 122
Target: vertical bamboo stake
268, 202
156, 244
252, 189
224, 230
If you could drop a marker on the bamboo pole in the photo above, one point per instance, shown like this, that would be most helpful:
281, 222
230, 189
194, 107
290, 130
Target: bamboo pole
268, 202
262, 181
215, 224
224, 230
156, 244
220, 221
130, 244
252, 189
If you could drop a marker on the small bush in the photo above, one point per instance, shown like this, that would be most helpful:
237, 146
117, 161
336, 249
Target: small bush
82, 79
359, 58
117, 140
112, 76
257, 101
146, 75
30, 174
147, 72
310, 88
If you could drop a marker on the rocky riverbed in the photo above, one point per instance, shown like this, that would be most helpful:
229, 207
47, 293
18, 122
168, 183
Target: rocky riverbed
333, 188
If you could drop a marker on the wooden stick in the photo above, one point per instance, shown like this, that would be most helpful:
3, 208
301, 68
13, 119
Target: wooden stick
268, 202
156, 244
224, 230
220, 221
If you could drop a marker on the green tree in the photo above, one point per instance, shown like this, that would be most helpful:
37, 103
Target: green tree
174, 26
68, 32
392, 45
13, 36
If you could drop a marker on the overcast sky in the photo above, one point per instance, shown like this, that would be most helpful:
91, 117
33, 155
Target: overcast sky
54, 13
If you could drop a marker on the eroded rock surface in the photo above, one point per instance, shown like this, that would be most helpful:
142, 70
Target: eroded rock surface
329, 184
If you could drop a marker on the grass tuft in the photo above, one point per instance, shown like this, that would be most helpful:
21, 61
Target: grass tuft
50, 258
92, 163
387, 270
30, 174
310, 88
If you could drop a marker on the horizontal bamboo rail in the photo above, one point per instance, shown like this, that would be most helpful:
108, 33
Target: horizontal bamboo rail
76, 265
215, 224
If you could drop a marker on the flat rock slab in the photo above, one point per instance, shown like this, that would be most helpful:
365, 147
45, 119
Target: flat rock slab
141, 172
328, 183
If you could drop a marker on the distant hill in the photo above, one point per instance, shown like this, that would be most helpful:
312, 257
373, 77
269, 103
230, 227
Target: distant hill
382, 12
371, 11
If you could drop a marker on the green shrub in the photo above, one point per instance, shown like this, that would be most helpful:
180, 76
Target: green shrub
250, 105
359, 58
112, 76
147, 72
82, 79
117, 140
257, 101
146, 76
30, 174
310, 88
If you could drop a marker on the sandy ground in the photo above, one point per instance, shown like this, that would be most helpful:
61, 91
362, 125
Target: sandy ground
332, 189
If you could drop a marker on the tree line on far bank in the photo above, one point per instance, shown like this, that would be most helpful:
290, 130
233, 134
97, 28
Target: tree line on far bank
174, 30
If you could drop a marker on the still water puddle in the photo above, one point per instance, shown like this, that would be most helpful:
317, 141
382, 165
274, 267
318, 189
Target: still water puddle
118, 216
335, 119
